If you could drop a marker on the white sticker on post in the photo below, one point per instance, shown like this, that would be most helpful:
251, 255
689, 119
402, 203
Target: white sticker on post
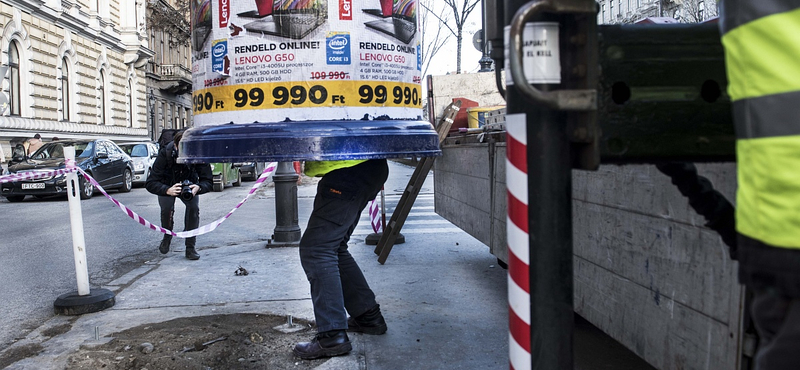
540, 54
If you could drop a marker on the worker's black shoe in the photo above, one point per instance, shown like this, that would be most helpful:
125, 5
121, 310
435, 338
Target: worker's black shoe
370, 322
164, 246
192, 254
325, 344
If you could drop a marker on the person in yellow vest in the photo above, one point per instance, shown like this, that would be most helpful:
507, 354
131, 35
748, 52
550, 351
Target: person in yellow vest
338, 286
761, 39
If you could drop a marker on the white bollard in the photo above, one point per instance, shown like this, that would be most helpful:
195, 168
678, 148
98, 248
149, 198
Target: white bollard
76, 223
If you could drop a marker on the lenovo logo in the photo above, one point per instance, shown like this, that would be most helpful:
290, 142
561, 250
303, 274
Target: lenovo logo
224, 12
346, 10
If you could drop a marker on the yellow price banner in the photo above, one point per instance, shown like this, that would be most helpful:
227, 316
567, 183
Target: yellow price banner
306, 94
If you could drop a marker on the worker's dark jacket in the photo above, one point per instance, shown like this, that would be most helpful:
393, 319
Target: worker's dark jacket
166, 172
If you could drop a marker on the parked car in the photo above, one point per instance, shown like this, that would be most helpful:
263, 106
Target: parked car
251, 170
143, 154
100, 158
225, 174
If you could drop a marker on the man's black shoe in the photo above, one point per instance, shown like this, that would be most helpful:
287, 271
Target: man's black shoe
164, 246
326, 344
192, 254
370, 322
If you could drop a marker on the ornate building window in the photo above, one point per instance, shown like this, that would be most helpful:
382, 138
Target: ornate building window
603, 14
65, 89
131, 104
14, 85
102, 91
701, 7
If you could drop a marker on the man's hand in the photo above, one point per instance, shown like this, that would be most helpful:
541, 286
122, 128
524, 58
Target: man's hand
195, 188
175, 190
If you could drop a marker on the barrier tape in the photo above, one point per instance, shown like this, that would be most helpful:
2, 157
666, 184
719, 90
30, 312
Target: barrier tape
35, 175
70, 167
375, 219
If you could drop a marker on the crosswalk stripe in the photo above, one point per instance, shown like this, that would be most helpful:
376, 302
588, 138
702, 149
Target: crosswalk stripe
413, 214
366, 231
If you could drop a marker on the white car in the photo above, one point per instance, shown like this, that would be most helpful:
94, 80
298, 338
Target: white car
143, 154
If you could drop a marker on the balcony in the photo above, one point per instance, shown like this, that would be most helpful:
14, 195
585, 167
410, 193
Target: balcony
174, 72
172, 78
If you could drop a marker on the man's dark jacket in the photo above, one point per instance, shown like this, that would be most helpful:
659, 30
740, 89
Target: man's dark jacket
166, 173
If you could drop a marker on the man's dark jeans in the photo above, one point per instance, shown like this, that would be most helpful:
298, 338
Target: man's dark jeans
338, 286
191, 219
777, 319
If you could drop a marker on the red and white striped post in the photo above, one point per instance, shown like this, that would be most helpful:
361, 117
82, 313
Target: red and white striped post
519, 309
539, 183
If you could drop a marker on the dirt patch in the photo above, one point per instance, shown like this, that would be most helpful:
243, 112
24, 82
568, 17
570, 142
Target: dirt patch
17, 353
56, 330
242, 341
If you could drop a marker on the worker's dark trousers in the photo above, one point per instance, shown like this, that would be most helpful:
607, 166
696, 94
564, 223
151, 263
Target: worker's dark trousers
191, 219
774, 277
338, 286
777, 319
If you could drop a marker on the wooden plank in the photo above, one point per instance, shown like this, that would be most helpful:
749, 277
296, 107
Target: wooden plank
667, 334
465, 216
643, 189
470, 160
670, 258
462, 184
499, 245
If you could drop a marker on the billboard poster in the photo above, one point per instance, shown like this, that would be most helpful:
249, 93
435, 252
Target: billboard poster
269, 60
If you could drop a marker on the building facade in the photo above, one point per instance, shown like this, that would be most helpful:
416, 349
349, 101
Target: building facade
169, 76
631, 11
72, 70
89, 68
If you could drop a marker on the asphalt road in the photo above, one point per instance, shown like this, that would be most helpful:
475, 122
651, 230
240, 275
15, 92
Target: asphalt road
37, 262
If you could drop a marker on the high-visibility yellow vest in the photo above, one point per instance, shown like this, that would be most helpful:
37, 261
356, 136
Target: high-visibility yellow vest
317, 169
762, 53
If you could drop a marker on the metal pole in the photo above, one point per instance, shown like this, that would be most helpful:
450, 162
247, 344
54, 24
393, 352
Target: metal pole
485, 62
383, 210
287, 229
76, 224
548, 229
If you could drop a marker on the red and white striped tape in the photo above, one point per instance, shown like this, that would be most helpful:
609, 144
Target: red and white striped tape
374, 215
519, 319
70, 167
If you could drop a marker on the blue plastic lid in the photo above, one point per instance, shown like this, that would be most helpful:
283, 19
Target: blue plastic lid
309, 141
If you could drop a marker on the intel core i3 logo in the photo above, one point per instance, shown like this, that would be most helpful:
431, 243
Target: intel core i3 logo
338, 48
219, 50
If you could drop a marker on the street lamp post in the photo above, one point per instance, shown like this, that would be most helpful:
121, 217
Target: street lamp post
152, 105
485, 62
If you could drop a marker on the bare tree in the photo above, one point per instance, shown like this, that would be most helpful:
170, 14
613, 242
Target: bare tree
460, 9
171, 18
431, 43
694, 11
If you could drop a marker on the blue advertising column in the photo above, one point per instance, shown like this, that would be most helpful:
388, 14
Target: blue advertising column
286, 80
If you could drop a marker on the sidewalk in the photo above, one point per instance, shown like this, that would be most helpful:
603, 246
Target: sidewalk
442, 294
